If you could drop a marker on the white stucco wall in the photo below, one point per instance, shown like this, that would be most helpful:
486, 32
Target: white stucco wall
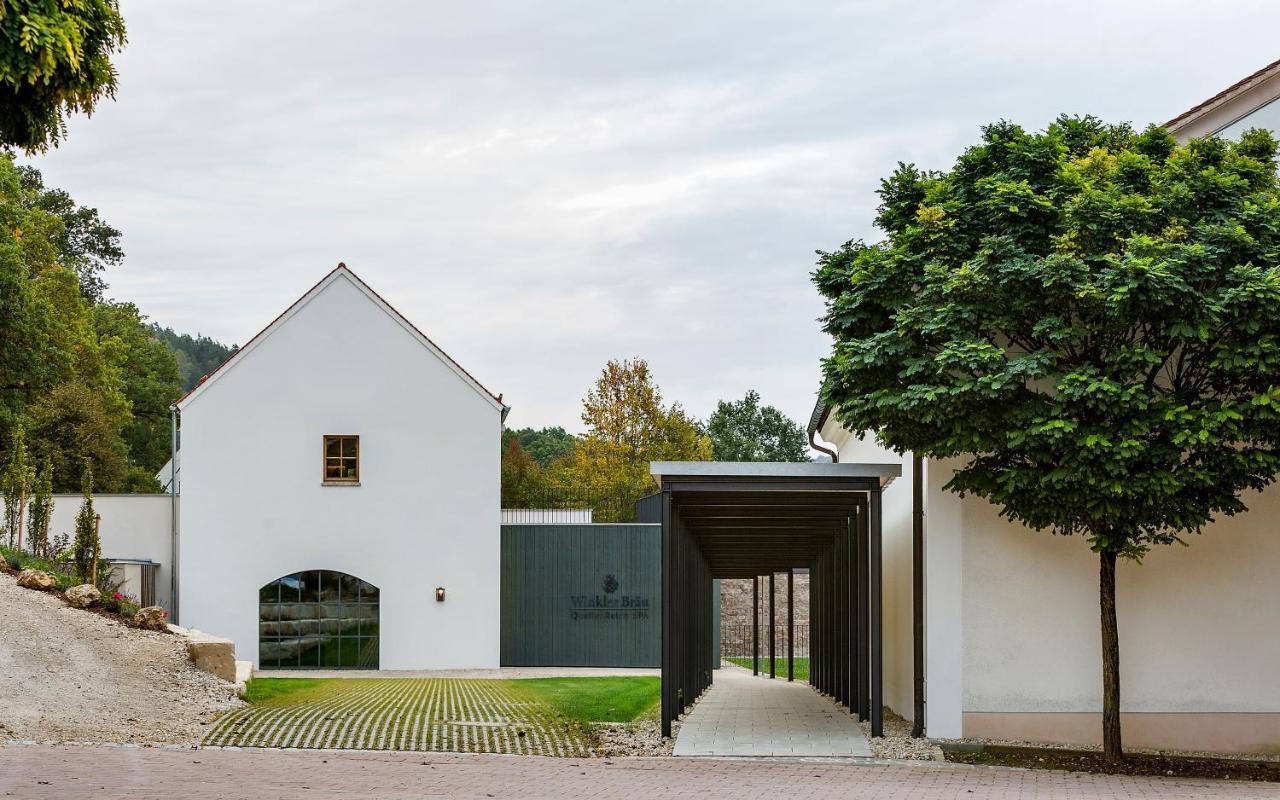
133, 526
1197, 624
425, 514
895, 562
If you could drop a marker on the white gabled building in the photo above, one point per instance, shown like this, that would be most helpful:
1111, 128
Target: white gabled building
340, 494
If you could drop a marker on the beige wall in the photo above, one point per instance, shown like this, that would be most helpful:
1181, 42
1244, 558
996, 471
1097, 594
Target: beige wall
1198, 629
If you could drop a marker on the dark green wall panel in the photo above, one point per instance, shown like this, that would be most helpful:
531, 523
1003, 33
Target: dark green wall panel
581, 595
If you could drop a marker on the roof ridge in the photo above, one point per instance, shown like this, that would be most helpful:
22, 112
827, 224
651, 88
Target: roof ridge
344, 269
1222, 95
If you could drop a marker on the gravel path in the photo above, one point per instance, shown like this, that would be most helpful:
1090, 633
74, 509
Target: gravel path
68, 675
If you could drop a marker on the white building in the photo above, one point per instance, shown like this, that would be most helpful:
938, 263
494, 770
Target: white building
1012, 641
340, 494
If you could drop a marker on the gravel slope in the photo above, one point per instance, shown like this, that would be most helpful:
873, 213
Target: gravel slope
71, 675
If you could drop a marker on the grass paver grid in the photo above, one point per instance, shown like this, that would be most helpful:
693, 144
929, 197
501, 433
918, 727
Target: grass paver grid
431, 714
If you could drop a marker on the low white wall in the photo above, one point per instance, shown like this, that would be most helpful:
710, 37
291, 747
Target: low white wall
133, 526
1197, 623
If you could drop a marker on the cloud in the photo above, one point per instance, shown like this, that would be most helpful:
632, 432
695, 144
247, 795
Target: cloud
543, 186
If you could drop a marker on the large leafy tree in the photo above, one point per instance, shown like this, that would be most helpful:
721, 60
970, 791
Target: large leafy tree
1089, 315
88, 377
55, 60
85, 244
744, 430
628, 425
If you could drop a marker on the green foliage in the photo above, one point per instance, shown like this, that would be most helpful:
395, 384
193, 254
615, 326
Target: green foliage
603, 699
87, 377
40, 512
55, 60
628, 425
746, 431
18, 480
197, 356
86, 546
801, 666
72, 425
544, 445
151, 382
22, 559
266, 691
1089, 314
524, 481
85, 244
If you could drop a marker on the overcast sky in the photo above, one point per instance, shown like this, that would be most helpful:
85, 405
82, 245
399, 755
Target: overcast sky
542, 186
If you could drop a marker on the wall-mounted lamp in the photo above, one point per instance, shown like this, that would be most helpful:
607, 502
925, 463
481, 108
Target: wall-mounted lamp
439, 594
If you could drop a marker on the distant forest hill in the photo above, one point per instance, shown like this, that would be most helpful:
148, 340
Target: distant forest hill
197, 355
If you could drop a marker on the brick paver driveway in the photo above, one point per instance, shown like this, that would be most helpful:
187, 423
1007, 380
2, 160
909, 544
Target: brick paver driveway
38, 771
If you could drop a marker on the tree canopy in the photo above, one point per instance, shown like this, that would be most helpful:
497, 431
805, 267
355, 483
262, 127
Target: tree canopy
55, 60
543, 445
85, 375
743, 430
606, 468
1089, 315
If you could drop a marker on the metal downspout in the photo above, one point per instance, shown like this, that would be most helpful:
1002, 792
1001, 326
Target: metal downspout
173, 512
917, 592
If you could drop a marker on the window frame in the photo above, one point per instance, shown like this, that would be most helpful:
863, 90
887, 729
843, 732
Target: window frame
342, 457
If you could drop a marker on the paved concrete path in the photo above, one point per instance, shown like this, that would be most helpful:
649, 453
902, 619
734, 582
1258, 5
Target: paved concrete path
745, 715
38, 772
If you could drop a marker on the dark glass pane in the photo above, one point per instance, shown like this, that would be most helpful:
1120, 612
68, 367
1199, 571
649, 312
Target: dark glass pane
318, 619
351, 447
332, 446
310, 587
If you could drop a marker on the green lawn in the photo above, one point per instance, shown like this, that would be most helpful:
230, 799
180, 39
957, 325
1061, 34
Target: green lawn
277, 691
802, 667
606, 699
541, 716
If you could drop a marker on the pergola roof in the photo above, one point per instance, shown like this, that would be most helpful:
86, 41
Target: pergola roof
754, 518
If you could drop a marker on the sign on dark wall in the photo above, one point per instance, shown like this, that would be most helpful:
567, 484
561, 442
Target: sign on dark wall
581, 595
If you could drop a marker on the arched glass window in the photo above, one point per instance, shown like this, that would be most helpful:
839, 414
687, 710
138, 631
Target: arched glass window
318, 619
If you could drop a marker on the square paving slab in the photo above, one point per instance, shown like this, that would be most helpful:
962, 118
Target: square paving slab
745, 715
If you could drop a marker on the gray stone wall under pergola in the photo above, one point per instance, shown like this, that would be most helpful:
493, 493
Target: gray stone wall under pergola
742, 520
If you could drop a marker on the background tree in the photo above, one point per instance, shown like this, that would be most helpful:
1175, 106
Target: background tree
55, 59
41, 512
746, 431
627, 427
197, 355
1091, 317
85, 546
85, 244
18, 478
544, 445
523, 483
87, 376
151, 383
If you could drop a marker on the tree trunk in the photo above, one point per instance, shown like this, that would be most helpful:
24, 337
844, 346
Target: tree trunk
1111, 745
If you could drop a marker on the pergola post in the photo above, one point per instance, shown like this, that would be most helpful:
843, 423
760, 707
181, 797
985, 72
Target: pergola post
755, 625
791, 625
877, 635
669, 666
773, 632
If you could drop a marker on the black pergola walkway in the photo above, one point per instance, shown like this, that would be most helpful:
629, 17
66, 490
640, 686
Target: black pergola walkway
724, 520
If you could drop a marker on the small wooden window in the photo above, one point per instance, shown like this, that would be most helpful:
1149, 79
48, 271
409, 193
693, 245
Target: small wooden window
342, 459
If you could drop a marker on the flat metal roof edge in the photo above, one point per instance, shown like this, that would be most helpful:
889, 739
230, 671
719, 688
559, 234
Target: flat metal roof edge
885, 472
